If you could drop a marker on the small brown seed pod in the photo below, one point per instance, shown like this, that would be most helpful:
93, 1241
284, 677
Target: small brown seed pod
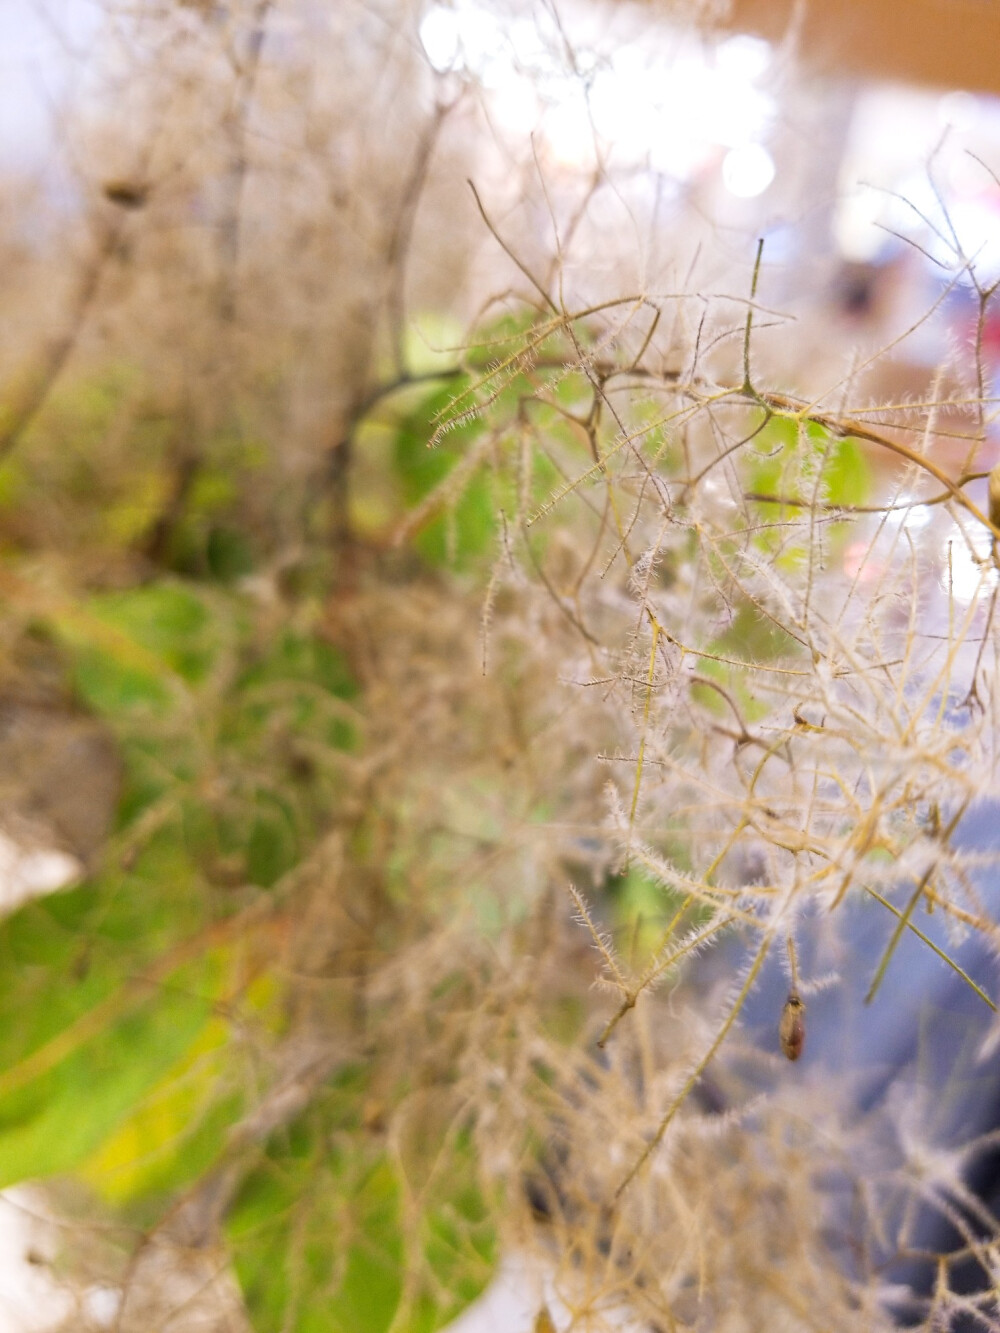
994, 496
792, 1028
125, 193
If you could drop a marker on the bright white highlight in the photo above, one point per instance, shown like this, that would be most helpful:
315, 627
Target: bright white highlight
666, 106
440, 35
27, 874
959, 110
966, 576
747, 171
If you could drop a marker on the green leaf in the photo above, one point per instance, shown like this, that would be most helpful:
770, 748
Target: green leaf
782, 461
317, 1241
463, 527
175, 1132
750, 636
848, 474
131, 649
320, 1241
54, 1116
273, 847
228, 553
294, 687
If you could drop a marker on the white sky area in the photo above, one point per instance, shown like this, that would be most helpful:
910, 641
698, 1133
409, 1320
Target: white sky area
650, 95
670, 104
685, 107
43, 46
671, 113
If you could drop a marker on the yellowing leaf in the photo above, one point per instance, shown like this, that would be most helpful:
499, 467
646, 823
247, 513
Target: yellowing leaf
133, 1158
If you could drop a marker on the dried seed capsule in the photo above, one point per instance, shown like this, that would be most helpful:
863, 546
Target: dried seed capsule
792, 1028
125, 193
994, 496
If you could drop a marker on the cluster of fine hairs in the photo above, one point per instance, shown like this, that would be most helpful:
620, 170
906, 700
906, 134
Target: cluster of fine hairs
760, 599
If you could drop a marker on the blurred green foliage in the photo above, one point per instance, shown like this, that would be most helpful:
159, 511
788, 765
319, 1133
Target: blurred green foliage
799, 462
461, 528
233, 714
320, 1237
125, 1003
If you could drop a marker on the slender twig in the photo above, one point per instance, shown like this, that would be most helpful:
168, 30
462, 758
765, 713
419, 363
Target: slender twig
699, 1068
511, 254
17, 418
239, 165
931, 945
